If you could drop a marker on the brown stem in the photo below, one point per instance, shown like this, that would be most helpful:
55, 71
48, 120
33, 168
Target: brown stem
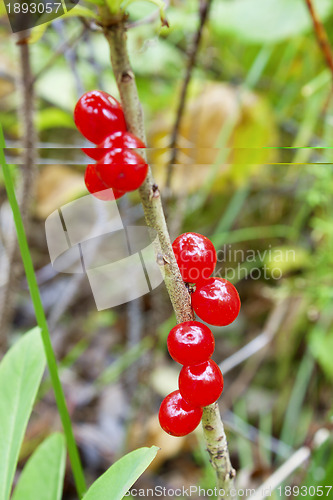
115, 32
203, 12
14, 268
150, 196
321, 35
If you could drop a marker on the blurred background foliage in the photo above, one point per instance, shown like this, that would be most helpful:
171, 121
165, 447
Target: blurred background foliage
254, 174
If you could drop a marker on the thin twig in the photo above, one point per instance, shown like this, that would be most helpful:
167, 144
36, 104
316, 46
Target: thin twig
66, 45
294, 462
70, 56
272, 326
257, 347
203, 12
115, 32
251, 433
13, 270
321, 35
149, 19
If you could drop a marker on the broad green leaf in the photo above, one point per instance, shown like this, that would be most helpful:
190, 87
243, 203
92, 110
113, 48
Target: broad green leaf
43, 475
21, 371
266, 20
117, 480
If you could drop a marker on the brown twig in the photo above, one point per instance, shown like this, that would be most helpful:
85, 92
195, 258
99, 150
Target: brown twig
321, 35
115, 33
14, 268
203, 13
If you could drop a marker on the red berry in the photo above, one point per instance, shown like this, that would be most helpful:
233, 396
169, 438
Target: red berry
190, 343
97, 115
120, 139
96, 187
195, 255
123, 170
216, 301
201, 385
177, 417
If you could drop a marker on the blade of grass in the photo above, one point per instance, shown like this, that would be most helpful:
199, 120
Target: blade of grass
228, 128
253, 233
42, 323
265, 429
232, 211
113, 372
292, 416
244, 445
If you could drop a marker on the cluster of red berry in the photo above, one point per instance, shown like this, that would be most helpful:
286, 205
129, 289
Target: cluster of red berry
216, 301
100, 119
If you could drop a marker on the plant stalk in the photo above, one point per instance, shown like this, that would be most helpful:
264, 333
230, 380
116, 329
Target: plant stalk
149, 193
115, 33
42, 323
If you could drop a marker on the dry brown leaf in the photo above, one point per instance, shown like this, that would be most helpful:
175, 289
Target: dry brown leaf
209, 115
56, 186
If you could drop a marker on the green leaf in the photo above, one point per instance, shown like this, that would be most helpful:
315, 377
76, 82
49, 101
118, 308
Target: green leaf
268, 20
58, 88
21, 371
54, 117
43, 476
321, 346
159, 3
78, 11
117, 480
95, 2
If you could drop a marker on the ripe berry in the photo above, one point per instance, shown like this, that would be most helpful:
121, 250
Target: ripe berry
216, 301
97, 115
120, 139
97, 188
201, 385
190, 343
195, 255
177, 417
123, 170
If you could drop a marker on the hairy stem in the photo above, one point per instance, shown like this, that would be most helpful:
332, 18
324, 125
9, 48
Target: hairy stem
150, 196
217, 447
115, 32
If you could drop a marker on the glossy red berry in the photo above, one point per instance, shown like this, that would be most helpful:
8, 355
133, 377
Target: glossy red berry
195, 255
216, 301
202, 384
119, 140
190, 343
97, 188
124, 170
177, 417
97, 115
